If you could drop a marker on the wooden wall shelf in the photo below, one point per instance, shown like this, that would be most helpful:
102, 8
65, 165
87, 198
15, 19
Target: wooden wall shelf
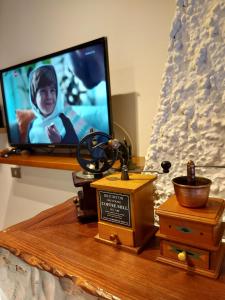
42, 161
51, 161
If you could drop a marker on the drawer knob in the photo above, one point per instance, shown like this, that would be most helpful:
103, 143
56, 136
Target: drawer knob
114, 238
182, 256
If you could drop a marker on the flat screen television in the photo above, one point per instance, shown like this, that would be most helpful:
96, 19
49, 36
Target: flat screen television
55, 100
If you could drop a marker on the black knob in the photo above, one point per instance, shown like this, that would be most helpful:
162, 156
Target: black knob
166, 165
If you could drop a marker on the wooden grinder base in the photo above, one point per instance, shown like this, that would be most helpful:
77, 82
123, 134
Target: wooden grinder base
134, 250
125, 211
191, 239
213, 273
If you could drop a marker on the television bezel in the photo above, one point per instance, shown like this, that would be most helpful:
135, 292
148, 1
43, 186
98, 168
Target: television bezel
31, 146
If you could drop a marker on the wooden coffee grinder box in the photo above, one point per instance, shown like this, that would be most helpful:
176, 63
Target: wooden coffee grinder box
190, 238
125, 211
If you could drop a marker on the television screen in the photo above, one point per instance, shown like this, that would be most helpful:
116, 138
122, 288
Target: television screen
57, 99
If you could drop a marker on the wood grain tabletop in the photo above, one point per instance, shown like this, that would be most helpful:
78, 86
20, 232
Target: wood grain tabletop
54, 241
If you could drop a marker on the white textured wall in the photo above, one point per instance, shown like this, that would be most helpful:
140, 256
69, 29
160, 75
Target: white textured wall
190, 123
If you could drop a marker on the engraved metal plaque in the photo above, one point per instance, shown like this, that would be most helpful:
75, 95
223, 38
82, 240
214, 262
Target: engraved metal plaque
115, 208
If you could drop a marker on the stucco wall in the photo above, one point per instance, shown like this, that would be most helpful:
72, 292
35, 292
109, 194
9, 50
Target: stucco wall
190, 122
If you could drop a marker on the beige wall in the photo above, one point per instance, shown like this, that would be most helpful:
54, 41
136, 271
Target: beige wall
138, 35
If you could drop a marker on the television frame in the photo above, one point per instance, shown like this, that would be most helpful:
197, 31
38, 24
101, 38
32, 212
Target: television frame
52, 146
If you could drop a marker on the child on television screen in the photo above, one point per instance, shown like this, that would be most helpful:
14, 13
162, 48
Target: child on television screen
50, 124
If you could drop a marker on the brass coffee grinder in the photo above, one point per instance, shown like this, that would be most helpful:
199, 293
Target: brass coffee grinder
192, 191
191, 226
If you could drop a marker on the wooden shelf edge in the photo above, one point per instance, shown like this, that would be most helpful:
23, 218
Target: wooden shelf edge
48, 161
42, 161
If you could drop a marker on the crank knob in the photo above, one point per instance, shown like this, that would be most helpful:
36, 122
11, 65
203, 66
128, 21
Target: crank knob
166, 165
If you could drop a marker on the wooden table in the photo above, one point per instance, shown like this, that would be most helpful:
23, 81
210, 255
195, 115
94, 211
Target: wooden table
56, 242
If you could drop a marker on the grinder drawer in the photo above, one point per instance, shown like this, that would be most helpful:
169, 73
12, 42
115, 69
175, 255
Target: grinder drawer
116, 234
189, 256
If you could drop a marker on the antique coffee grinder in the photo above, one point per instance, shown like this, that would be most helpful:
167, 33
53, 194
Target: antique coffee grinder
191, 226
121, 200
126, 208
